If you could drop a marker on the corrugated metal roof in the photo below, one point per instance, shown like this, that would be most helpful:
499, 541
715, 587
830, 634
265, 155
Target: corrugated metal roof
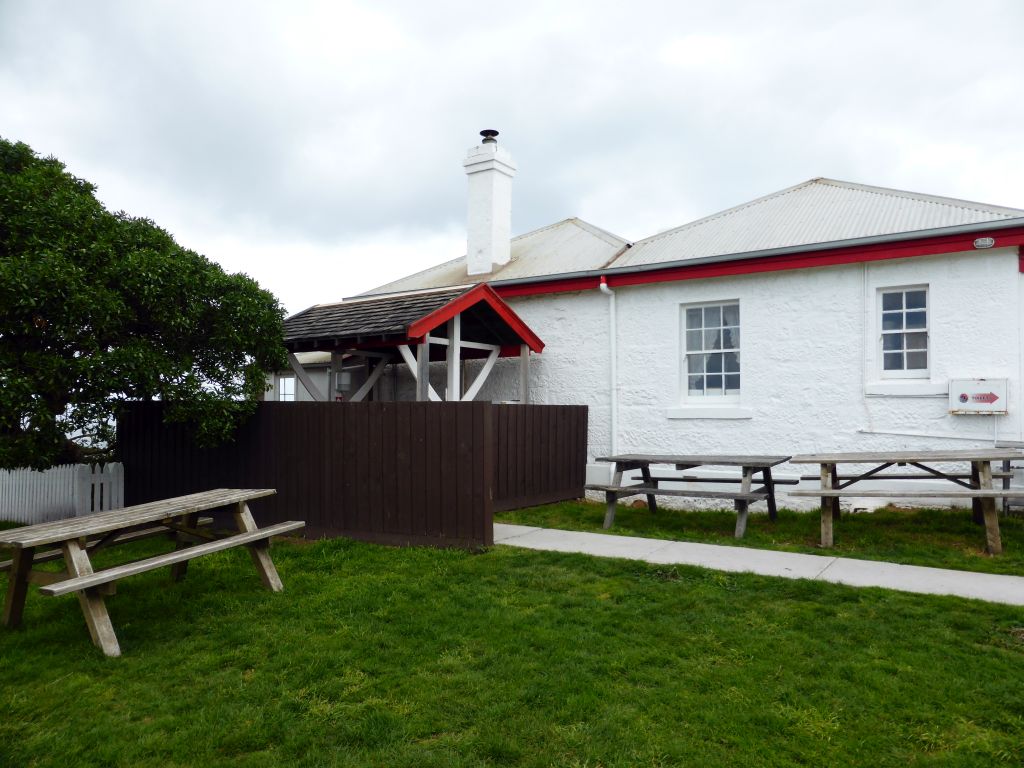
816, 211
372, 317
568, 246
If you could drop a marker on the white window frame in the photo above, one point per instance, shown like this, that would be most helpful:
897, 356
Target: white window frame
686, 398
282, 396
913, 373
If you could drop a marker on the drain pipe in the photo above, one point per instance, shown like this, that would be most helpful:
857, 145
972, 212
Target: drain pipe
613, 367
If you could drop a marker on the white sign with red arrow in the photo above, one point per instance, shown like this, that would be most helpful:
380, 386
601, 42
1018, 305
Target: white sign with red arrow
986, 396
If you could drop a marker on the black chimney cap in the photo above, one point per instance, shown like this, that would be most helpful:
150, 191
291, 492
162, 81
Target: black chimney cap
489, 134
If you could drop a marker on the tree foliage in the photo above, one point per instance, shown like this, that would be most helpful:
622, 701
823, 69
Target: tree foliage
97, 308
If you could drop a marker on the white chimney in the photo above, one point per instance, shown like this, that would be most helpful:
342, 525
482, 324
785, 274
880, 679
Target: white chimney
489, 228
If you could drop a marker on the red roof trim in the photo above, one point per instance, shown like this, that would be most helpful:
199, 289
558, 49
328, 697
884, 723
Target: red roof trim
809, 259
551, 286
476, 294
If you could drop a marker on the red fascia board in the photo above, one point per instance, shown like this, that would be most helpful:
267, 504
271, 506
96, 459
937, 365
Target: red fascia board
823, 258
441, 315
551, 286
475, 295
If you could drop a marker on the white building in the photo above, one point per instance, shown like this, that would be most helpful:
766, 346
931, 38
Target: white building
828, 315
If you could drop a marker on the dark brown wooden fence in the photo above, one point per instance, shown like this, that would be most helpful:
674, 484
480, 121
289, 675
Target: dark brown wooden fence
391, 472
540, 454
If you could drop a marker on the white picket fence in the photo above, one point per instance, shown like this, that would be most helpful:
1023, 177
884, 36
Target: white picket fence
27, 496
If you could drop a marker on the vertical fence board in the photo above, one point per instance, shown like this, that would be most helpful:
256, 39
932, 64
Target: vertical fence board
388, 469
360, 467
506, 452
463, 419
403, 477
485, 476
418, 468
450, 470
372, 471
432, 465
335, 432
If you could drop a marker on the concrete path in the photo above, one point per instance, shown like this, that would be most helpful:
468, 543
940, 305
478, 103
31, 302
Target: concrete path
788, 565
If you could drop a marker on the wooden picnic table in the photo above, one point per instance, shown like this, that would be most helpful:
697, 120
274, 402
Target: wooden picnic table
750, 490
74, 540
975, 484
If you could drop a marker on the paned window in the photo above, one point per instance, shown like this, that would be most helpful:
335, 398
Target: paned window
905, 332
286, 389
712, 364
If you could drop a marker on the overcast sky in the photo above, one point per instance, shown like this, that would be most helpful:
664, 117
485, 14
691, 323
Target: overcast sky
317, 146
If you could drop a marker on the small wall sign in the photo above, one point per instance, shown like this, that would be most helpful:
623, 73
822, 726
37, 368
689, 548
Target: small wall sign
977, 396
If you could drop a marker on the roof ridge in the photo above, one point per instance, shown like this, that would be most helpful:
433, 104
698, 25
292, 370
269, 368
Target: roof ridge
921, 197
536, 231
953, 202
377, 290
728, 211
428, 270
609, 237
602, 234
545, 228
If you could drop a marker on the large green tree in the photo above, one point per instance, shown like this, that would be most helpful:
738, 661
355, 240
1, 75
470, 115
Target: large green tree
97, 308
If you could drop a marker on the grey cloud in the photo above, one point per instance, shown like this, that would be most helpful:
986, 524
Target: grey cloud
323, 123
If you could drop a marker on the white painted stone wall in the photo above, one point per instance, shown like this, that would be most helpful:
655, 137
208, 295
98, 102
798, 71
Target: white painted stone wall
810, 374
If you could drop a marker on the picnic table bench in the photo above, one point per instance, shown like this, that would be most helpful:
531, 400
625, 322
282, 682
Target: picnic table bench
74, 540
748, 492
1011, 505
975, 485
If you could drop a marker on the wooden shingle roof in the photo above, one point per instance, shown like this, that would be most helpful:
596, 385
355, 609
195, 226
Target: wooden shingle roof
366, 318
405, 317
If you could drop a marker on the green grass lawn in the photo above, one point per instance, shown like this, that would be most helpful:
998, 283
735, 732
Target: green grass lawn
941, 538
376, 656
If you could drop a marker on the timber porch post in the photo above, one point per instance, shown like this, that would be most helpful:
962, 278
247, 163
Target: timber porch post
524, 373
454, 391
423, 369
